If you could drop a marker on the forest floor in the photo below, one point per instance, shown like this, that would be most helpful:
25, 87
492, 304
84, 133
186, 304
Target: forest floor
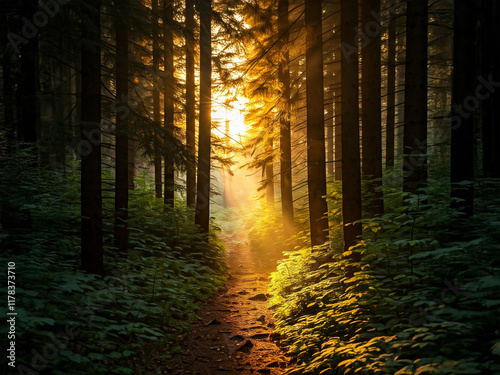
235, 332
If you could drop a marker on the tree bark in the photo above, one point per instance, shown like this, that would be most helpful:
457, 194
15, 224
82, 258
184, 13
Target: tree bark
462, 124
270, 176
8, 91
28, 82
490, 31
190, 102
329, 46
285, 133
316, 169
371, 114
156, 101
122, 131
337, 129
391, 92
168, 98
349, 118
202, 215
91, 190
132, 147
415, 116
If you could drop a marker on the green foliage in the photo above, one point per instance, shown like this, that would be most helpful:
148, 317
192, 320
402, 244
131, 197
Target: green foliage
265, 228
422, 299
70, 322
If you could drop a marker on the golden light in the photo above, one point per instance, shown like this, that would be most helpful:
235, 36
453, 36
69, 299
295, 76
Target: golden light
228, 113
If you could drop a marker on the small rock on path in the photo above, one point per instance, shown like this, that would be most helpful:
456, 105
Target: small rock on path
239, 342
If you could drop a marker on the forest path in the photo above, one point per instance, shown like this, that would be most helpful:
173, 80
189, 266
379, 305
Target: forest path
234, 335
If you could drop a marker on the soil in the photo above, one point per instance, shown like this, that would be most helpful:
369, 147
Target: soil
235, 334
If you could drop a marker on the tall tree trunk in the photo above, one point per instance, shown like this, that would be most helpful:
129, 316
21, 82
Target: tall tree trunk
168, 98
285, 134
329, 124
202, 215
8, 92
156, 100
329, 47
391, 92
28, 83
371, 114
132, 147
462, 124
190, 102
351, 169
415, 116
316, 169
337, 129
91, 190
269, 168
122, 131
491, 106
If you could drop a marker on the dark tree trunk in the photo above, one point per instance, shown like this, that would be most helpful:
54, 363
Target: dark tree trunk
329, 47
91, 190
415, 116
316, 169
270, 176
337, 130
122, 131
462, 124
8, 92
351, 169
329, 124
156, 100
285, 135
132, 147
202, 215
391, 92
168, 98
190, 102
28, 82
371, 114
158, 173
490, 31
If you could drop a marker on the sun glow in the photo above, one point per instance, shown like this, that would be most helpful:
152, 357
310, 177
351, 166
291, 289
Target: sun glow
228, 114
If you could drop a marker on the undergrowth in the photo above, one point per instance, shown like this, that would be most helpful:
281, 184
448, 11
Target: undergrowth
70, 322
422, 299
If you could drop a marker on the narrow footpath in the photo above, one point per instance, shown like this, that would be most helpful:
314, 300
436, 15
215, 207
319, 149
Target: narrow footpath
235, 333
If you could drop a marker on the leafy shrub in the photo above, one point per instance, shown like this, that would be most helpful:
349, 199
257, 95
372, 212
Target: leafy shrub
70, 322
423, 299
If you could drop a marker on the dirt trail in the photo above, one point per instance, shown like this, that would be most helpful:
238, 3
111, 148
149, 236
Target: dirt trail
234, 335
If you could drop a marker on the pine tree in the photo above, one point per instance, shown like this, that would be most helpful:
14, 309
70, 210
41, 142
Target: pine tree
391, 92
156, 99
351, 169
462, 128
168, 98
122, 128
490, 31
269, 174
371, 105
415, 108
28, 81
202, 215
8, 101
91, 191
316, 168
285, 136
190, 101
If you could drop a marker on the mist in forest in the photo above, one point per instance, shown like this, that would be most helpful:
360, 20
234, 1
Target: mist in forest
240, 187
